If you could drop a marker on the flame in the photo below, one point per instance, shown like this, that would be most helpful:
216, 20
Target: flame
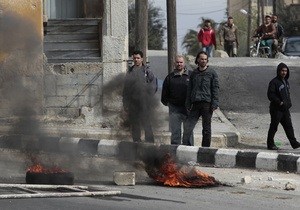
168, 174
39, 168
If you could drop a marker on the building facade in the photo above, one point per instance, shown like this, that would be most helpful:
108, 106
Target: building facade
50, 64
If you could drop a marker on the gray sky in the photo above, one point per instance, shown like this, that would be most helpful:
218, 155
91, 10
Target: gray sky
190, 12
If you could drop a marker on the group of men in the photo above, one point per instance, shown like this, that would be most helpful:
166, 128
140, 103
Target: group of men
270, 31
228, 38
190, 95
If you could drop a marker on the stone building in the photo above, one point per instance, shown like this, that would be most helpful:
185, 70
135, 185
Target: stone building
58, 56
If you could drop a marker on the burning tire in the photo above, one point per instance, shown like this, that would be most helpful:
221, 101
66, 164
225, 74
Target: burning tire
63, 178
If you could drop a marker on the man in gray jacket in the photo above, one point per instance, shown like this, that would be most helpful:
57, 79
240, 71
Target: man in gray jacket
229, 38
202, 99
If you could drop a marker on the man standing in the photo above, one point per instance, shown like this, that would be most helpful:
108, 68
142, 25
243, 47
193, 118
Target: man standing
174, 95
138, 98
202, 99
207, 38
279, 96
229, 38
279, 32
267, 31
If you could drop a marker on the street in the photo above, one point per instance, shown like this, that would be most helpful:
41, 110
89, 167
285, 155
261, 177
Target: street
265, 191
243, 100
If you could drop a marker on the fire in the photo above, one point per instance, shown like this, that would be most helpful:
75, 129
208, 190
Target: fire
39, 168
167, 172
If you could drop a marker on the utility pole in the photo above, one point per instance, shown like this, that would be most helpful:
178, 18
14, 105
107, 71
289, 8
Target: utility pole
274, 7
249, 26
172, 33
262, 11
258, 14
141, 26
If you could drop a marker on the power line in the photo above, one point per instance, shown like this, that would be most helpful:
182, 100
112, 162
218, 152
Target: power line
201, 13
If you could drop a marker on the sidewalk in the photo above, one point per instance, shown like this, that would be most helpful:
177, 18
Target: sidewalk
112, 143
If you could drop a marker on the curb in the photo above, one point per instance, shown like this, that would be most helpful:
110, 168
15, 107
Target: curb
218, 157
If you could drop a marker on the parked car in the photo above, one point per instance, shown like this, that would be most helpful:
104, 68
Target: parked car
291, 46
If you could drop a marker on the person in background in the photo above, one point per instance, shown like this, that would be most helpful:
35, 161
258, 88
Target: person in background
229, 37
138, 98
174, 95
280, 103
207, 38
279, 33
267, 32
202, 99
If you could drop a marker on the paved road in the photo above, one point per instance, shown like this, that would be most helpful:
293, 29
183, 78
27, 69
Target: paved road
266, 190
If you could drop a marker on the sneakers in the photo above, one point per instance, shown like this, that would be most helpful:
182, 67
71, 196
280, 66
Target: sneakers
274, 148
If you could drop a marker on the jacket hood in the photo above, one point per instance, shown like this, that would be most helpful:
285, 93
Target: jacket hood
279, 67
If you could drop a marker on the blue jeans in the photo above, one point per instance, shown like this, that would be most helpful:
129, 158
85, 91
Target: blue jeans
269, 43
208, 49
177, 117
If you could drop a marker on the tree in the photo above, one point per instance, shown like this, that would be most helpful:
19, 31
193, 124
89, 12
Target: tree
156, 27
288, 17
190, 42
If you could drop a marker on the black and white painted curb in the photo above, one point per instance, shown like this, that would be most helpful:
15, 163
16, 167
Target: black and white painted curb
218, 157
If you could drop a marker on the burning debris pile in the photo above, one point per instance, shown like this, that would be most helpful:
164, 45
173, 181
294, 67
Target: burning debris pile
39, 174
169, 173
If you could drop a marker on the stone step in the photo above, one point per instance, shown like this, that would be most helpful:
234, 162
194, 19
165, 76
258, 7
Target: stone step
72, 40
71, 45
71, 36
75, 60
75, 21
67, 53
72, 28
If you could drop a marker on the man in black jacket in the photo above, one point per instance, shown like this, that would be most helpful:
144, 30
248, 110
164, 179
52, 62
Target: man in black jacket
279, 96
173, 95
202, 99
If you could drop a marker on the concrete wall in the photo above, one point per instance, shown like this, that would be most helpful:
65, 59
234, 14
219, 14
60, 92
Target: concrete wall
21, 57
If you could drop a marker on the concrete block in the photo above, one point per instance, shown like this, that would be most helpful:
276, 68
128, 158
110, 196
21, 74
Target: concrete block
55, 101
187, 153
68, 144
206, 155
218, 140
67, 90
108, 147
232, 138
50, 85
246, 180
267, 161
124, 178
226, 158
30, 142
220, 54
298, 165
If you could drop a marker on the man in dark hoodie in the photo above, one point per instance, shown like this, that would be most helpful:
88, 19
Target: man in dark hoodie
279, 96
